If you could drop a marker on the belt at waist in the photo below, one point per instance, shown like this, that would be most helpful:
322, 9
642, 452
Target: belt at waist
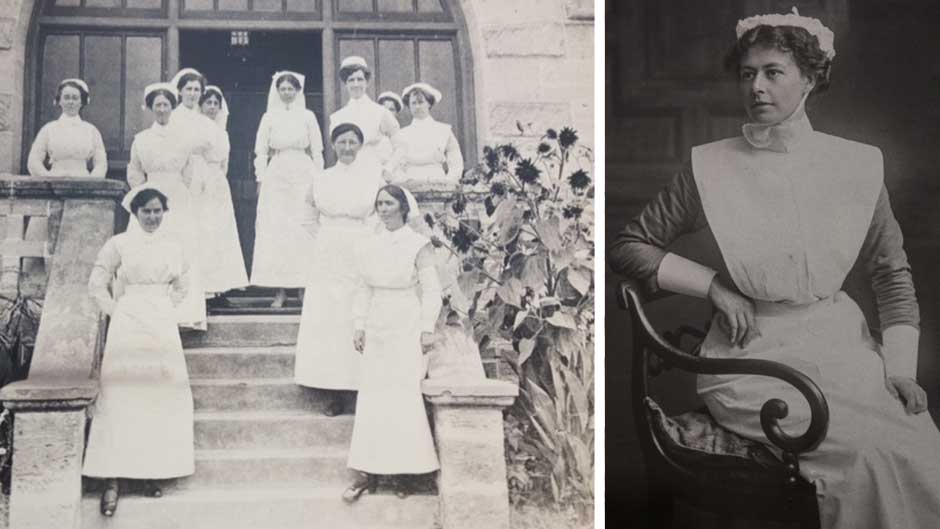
69, 167
380, 289
780, 308
147, 288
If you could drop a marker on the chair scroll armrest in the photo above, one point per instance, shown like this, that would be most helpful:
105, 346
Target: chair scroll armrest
630, 297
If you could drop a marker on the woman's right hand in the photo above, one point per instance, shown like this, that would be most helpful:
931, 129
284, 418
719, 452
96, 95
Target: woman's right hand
736, 314
359, 340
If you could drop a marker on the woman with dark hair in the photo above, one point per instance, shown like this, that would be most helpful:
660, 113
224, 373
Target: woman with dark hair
142, 425
792, 210
426, 146
220, 254
290, 135
394, 316
373, 119
69, 144
339, 216
71, 147
160, 156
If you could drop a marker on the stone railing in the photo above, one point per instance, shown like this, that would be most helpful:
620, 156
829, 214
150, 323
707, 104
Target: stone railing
468, 429
50, 406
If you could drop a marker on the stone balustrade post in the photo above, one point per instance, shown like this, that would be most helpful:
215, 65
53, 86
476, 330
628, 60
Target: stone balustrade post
468, 432
50, 406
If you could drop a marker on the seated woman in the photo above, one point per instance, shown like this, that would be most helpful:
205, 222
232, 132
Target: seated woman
142, 427
340, 204
791, 210
394, 330
425, 147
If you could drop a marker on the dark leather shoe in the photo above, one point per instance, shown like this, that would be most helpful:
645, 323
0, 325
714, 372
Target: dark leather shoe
352, 493
334, 407
153, 490
109, 499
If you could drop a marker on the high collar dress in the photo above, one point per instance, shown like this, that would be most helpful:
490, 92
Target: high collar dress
161, 155
423, 150
142, 425
398, 298
290, 138
340, 211
792, 210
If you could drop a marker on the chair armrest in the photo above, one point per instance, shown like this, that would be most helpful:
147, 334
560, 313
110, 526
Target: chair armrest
630, 297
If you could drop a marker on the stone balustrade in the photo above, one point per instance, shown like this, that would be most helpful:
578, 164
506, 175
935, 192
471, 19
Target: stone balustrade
50, 406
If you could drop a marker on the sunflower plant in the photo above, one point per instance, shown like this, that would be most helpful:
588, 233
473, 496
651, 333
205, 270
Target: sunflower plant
520, 229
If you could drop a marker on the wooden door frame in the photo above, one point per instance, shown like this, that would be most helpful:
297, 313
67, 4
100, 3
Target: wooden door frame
329, 25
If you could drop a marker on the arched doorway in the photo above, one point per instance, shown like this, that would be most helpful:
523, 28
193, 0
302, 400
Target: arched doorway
120, 46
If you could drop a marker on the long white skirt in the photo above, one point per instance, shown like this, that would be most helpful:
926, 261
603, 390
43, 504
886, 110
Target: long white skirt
391, 434
283, 249
878, 466
325, 354
142, 426
180, 221
221, 264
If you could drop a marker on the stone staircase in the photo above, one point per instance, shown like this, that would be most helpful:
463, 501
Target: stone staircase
266, 455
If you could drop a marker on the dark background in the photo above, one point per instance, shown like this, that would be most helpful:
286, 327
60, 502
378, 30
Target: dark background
666, 91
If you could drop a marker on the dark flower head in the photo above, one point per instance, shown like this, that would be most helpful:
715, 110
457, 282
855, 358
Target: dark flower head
498, 189
572, 212
491, 158
459, 205
509, 152
544, 148
463, 238
429, 220
527, 172
567, 137
551, 134
579, 180
488, 204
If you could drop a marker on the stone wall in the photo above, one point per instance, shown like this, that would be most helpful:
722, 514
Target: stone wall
14, 25
534, 64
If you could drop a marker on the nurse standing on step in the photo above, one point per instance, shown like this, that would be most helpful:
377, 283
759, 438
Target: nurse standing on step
142, 427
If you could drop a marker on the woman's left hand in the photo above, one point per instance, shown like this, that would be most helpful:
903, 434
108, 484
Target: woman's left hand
427, 342
909, 392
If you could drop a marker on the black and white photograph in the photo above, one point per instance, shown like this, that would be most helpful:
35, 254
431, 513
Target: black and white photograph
298, 264
771, 234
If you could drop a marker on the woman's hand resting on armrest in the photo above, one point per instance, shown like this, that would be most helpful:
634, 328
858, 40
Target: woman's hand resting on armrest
736, 314
909, 392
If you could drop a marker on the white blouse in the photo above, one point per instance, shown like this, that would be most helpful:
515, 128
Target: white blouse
69, 143
282, 129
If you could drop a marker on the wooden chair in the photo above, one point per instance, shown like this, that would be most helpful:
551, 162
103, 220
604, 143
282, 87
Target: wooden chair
758, 487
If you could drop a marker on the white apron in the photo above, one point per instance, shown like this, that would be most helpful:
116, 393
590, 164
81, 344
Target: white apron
142, 424
343, 196
790, 226
391, 434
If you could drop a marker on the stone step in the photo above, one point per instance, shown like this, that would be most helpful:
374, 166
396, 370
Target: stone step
270, 429
253, 394
268, 468
245, 330
240, 362
261, 508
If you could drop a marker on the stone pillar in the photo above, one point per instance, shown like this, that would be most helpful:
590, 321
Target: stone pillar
49, 441
468, 431
49, 407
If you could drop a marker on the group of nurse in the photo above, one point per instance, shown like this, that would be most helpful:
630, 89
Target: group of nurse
350, 234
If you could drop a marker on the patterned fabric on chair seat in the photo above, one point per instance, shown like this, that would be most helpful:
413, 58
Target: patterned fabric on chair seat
695, 440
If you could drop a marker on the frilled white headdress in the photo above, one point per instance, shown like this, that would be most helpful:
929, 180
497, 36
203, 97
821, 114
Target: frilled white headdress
274, 99
424, 87
393, 96
812, 25
179, 75
129, 197
152, 87
221, 119
80, 83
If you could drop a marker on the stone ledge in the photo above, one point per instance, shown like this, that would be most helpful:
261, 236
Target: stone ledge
49, 394
484, 392
71, 187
